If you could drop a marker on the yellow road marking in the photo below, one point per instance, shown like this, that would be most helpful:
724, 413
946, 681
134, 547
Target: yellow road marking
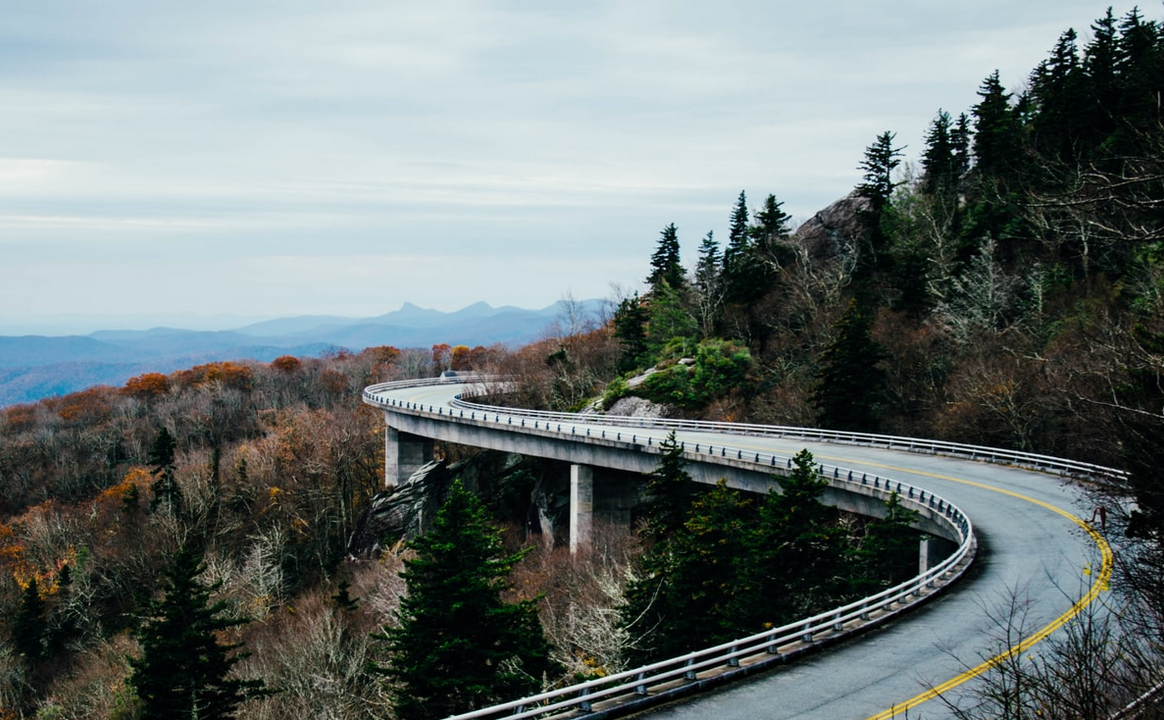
1101, 583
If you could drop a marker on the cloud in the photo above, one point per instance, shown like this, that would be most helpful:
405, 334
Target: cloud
203, 141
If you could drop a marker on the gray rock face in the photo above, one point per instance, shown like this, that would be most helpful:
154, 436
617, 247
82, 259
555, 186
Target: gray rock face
826, 234
534, 494
632, 406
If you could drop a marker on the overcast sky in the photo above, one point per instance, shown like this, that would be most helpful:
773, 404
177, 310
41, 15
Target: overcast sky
175, 162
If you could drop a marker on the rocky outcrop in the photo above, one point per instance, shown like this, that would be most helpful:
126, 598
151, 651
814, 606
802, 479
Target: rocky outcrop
827, 234
528, 492
633, 406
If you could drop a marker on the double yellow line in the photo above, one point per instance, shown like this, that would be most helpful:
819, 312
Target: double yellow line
1101, 582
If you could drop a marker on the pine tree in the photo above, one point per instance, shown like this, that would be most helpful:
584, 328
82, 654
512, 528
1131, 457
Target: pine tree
881, 160
768, 250
692, 584
671, 491
630, 327
850, 381
665, 264
737, 255
938, 159
708, 285
28, 625
1059, 96
997, 137
458, 645
183, 669
165, 486
798, 552
960, 137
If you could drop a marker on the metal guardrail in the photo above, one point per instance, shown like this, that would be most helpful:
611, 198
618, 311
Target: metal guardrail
746, 654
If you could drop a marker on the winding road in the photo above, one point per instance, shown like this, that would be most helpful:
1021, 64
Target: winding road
1038, 564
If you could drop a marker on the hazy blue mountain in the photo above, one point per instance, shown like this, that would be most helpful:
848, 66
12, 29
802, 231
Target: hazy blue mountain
34, 366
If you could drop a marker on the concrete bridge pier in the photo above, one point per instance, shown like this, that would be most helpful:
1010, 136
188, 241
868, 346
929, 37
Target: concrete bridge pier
404, 454
932, 550
581, 508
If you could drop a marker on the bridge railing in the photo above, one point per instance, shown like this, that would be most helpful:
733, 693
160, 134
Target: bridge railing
758, 650
1033, 461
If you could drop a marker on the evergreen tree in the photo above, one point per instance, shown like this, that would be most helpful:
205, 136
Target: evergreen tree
768, 250
708, 286
62, 625
1059, 96
665, 264
458, 645
693, 583
772, 223
737, 255
630, 327
798, 552
28, 625
881, 160
183, 670
997, 137
960, 137
669, 319
938, 159
671, 491
161, 457
850, 381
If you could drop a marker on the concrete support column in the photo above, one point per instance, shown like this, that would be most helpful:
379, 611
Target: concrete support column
581, 508
404, 454
926, 552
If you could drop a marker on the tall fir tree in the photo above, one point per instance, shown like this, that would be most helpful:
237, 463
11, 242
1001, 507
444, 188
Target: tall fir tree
997, 131
1059, 97
708, 285
769, 251
938, 159
28, 625
458, 645
882, 159
798, 548
692, 584
162, 461
629, 325
670, 490
737, 254
665, 264
183, 672
850, 381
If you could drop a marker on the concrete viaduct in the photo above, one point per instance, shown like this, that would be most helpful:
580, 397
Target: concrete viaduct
1024, 514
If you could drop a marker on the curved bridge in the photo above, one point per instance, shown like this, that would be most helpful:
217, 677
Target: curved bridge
1033, 553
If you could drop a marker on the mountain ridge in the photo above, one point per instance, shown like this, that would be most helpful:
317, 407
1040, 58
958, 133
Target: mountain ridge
37, 366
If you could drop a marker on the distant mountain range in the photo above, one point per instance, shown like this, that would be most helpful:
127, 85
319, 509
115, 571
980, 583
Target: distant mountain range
36, 366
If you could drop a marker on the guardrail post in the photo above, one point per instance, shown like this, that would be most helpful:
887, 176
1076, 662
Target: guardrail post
641, 688
734, 661
583, 704
690, 674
